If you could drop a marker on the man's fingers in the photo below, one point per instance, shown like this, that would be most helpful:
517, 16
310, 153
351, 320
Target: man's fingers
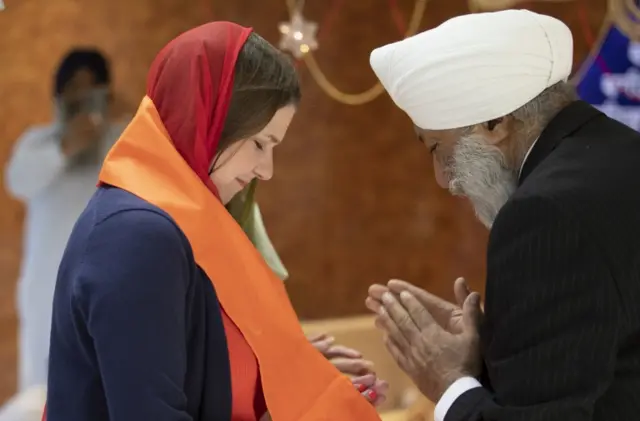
391, 330
400, 318
420, 315
373, 305
398, 285
461, 290
376, 291
441, 310
352, 367
436, 305
472, 313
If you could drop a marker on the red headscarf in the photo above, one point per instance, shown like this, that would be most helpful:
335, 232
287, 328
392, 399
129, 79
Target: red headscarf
190, 84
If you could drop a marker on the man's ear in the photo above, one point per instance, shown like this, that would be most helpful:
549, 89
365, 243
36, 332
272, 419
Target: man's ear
497, 130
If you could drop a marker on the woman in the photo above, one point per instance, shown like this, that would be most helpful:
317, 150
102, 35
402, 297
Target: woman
163, 308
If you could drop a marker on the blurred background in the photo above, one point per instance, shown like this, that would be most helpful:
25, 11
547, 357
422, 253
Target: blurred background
353, 200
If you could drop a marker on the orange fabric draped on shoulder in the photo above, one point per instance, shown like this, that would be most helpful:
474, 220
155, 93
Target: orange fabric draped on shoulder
299, 383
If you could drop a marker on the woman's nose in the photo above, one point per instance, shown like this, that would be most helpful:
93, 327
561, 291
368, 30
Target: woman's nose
264, 171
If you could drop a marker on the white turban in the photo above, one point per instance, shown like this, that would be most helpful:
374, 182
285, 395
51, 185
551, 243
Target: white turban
474, 68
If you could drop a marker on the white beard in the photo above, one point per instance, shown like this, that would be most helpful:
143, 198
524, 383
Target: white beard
479, 172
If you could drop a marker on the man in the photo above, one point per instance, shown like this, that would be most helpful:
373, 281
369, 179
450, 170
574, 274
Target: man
556, 182
53, 170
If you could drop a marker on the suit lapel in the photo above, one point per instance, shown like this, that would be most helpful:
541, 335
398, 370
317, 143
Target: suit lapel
570, 119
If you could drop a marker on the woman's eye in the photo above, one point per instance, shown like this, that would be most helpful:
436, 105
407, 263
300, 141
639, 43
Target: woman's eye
258, 145
433, 148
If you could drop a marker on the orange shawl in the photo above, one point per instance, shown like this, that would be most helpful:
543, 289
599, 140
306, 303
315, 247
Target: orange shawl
299, 383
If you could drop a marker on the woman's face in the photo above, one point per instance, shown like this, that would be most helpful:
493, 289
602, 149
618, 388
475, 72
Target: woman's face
250, 158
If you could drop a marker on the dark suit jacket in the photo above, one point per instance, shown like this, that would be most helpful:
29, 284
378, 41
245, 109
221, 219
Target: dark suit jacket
561, 341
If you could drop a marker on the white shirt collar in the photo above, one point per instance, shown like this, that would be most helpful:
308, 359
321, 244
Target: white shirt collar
527, 156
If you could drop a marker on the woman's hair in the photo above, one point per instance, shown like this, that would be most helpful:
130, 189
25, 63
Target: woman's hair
265, 81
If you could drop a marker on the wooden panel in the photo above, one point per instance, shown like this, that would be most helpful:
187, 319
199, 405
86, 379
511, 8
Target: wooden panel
353, 201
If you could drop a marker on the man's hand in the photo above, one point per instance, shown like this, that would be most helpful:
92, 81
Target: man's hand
433, 341
82, 131
446, 314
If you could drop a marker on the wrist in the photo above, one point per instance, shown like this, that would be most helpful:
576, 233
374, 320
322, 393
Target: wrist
448, 380
451, 395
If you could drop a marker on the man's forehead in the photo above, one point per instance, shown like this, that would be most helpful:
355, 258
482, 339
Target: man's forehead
425, 135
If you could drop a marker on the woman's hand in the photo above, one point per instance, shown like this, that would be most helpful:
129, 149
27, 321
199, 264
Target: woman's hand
266, 417
348, 361
372, 388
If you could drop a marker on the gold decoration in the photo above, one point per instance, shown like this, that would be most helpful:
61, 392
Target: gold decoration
625, 14
494, 5
328, 87
298, 35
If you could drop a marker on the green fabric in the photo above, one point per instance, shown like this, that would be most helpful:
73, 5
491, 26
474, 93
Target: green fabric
250, 219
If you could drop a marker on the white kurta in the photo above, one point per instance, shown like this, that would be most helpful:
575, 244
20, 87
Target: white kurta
54, 194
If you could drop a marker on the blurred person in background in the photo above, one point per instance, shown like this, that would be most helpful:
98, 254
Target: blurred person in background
53, 171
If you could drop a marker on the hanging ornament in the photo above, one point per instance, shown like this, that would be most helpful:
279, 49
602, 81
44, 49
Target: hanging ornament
298, 35
325, 84
625, 14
